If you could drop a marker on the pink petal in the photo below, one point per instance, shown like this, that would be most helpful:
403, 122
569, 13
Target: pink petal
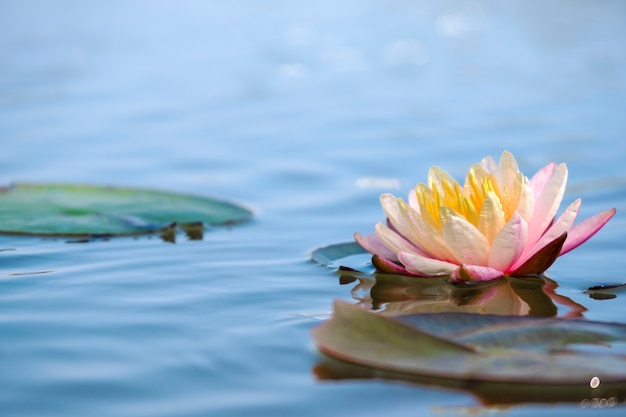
539, 181
422, 265
489, 164
508, 243
507, 170
579, 234
491, 219
386, 266
547, 202
541, 260
389, 203
394, 241
412, 199
561, 225
399, 220
428, 236
467, 244
466, 273
526, 203
373, 245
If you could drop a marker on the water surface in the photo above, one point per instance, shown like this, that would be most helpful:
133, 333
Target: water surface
291, 109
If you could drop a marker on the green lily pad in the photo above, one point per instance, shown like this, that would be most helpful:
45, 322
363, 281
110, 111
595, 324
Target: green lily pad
57, 210
326, 255
476, 347
347, 254
605, 292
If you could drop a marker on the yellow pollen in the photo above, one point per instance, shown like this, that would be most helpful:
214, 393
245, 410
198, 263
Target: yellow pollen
467, 201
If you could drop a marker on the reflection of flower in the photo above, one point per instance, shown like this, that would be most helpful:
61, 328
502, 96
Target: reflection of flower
498, 223
394, 295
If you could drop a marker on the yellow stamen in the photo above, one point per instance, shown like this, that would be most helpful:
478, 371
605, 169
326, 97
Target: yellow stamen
428, 206
468, 201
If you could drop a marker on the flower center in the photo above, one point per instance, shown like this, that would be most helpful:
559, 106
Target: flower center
469, 201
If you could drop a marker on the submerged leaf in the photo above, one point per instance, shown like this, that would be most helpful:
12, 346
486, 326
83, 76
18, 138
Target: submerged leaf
92, 211
473, 346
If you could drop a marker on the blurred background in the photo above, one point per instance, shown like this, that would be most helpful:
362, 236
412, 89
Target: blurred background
194, 92
306, 112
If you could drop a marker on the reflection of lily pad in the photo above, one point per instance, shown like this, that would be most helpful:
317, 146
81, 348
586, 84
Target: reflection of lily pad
489, 393
525, 350
93, 211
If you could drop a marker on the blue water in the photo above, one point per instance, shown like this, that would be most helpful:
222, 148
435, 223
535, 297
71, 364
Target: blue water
285, 107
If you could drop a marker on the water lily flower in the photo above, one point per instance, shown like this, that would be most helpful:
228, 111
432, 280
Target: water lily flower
499, 223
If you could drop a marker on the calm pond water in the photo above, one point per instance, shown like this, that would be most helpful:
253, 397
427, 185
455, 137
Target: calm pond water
306, 113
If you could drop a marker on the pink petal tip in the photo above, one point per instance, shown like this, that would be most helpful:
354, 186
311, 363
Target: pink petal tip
581, 232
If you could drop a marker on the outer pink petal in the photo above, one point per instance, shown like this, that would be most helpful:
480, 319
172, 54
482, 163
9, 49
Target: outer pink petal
386, 266
373, 245
542, 259
399, 219
579, 234
508, 243
561, 225
547, 203
466, 273
389, 204
422, 265
393, 241
539, 181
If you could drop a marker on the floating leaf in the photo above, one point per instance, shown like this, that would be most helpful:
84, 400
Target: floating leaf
476, 347
346, 254
93, 211
605, 292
